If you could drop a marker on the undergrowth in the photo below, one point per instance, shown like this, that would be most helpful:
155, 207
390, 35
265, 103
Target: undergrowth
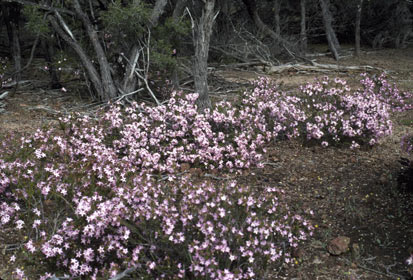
96, 197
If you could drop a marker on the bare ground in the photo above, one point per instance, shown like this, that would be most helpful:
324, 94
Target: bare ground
353, 193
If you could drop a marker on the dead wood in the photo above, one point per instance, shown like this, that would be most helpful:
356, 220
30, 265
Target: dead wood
318, 67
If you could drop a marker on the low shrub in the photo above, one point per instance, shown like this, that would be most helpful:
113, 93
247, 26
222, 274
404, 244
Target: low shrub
88, 199
161, 230
338, 115
398, 101
94, 197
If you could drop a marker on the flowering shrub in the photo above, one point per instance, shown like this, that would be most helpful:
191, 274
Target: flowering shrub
274, 113
163, 230
335, 114
160, 139
96, 197
93, 215
387, 93
88, 199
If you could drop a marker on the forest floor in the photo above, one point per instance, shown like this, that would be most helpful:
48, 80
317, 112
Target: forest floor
353, 193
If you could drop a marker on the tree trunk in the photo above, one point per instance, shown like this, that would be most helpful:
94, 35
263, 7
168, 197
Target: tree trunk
357, 33
333, 43
109, 88
157, 11
253, 12
130, 81
179, 9
177, 13
87, 63
277, 8
48, 49
11, 19
202, 31
303, 31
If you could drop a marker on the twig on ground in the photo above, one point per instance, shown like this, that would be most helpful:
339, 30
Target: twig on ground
47, 109
388, 274
393, 275
14, 83
124, 273
218, 178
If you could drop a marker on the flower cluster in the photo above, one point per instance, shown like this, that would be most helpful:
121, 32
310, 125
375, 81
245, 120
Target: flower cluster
95, 197
88, 223
159, 139
388, 93
335, 114
88, 197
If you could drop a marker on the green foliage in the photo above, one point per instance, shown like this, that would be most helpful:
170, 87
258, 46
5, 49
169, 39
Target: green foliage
133, 22
166, 39
126, 21
36, 21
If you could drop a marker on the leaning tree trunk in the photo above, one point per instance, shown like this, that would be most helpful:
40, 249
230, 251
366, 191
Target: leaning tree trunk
11, 19
177, 13
357, 32
253, 13
130, 81
179, 9
202, 31
109, 89
333, 43
91, 71
303, 31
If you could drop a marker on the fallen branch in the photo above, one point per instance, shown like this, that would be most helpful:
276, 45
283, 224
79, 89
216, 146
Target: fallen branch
47, 109
4, 95
317, 67
388, 274
218, 178
14, 83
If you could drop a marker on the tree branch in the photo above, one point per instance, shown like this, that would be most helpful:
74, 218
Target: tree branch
41, 6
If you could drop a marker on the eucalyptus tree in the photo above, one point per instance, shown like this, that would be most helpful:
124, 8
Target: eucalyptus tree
11, 16
332, 40
115, 41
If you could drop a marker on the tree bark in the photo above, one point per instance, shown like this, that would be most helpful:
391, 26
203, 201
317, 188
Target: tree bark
303, 31
202, 31
333, 43
277, 8
357, 32
48, 49
11, 19
130, 81
109, 88
86, 61
157, 11
253, 12
176, 14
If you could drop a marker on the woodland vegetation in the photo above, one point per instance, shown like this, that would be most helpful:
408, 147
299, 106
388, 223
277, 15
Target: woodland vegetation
119, 46
146, 188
